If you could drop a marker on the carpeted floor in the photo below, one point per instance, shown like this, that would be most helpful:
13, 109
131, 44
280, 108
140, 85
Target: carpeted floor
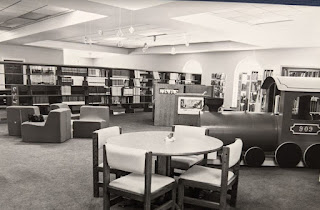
59, 176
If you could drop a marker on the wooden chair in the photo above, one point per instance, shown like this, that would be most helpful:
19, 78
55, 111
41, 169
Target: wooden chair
185, 162
214, 179
140, 185
99, 138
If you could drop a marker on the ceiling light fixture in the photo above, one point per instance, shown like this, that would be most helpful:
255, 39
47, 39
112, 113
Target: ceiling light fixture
173, 50
145, 47
119, 32
186, 41
131, 29
100, 32
120, 44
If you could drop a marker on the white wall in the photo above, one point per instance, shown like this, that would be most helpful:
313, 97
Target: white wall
76, 57
217, 62
30, 55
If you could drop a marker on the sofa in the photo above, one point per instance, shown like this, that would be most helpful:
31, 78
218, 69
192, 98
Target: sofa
56, 129
17, 115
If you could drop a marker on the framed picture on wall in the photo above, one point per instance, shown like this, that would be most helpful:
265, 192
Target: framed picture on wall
190, 105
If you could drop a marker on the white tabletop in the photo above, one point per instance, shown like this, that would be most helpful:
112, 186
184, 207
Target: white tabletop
154, 141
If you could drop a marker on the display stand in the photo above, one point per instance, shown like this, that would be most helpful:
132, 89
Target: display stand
187, 108
164, 103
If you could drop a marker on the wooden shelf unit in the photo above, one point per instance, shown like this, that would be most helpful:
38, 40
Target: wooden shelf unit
45, 84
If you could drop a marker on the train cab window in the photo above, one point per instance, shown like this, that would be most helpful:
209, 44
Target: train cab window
306, 107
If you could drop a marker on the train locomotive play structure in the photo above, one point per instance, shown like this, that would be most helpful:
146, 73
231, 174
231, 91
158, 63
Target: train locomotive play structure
288, 130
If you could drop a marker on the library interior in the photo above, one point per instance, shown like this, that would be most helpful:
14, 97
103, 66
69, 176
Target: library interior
119, 104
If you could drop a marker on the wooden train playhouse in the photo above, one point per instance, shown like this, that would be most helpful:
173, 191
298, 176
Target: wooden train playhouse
288, 130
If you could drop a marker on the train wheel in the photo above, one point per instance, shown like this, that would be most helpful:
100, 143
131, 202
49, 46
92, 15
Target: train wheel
288, 155
312, 156
254, 156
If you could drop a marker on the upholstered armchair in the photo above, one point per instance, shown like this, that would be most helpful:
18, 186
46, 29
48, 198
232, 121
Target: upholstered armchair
17, 115
56, 129
65, 106
92, 118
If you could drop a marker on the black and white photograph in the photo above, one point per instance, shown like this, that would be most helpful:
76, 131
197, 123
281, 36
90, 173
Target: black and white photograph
159, 104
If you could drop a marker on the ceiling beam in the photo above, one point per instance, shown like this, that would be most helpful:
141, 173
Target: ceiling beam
79, 46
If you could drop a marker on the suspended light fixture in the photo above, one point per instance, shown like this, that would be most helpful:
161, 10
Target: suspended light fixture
119, 33
131, 29
85, 39
186, 41
173, 50
145, 47
120, 44
100, 32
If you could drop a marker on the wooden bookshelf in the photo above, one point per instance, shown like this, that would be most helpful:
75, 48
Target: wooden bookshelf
46, 84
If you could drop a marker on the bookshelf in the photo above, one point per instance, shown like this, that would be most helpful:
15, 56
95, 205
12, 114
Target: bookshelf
218, 83
249, 92
304, 72
300, 72
44, 84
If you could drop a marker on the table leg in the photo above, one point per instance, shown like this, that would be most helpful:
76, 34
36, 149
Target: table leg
164, 165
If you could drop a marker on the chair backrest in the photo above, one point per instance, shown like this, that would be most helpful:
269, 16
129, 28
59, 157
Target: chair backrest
126, 159
94, 113
188, 130
105, 133
235, 150
58, 106
59, 118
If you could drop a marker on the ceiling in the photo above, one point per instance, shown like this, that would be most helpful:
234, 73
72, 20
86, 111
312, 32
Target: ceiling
157, 26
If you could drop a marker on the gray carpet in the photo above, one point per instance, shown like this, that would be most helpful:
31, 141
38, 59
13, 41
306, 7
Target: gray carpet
59, 176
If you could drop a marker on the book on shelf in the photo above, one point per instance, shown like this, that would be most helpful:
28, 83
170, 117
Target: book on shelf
116, 91
96, 81
76, 71
136, 82
94, 72
137, 74
156, 75
66, 81
128, 91
65, 90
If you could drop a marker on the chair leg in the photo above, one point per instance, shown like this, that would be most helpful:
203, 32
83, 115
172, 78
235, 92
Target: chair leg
95, 183
147, 204
106, 200
174, 198
234, 193
223, 198
180, 195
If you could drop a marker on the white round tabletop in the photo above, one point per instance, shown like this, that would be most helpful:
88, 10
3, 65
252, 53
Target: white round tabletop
154, 141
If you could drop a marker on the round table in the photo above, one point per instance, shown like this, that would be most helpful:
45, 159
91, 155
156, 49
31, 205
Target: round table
154, 141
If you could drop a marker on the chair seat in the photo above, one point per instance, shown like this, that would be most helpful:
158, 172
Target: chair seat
41, 124
135, 183
211, 176
185, 162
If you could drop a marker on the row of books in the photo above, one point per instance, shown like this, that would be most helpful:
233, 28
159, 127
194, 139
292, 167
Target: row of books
92, 72
315, 104
72, 98
48, 79
42, 69
74, 71
66, 90
40, 99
